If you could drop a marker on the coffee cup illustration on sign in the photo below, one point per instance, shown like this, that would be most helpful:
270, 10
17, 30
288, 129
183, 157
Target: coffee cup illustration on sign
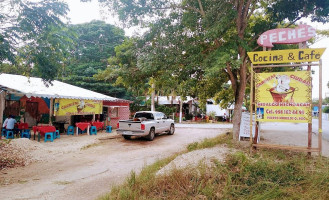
282, 91
81, 106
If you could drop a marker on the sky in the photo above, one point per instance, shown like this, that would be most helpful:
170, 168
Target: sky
86, 12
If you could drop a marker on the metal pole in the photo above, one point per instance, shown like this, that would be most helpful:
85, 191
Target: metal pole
320, 108
51, 110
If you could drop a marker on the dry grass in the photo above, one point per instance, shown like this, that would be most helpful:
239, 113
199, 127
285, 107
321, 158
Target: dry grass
267, 174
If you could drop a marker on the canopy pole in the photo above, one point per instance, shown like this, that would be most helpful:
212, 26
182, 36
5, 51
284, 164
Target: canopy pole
51, 110
2, 104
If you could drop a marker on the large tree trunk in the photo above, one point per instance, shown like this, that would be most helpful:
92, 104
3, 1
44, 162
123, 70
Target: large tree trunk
238, 111
239, 79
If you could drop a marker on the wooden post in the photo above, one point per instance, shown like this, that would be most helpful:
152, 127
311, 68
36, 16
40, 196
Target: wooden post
320, 108
309, 143
2, 105
51, 106
251, 100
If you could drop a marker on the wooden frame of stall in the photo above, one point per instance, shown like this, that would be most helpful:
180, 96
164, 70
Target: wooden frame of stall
309, 148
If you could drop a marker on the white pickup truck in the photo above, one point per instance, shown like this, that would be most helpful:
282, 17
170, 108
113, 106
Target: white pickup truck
146, 124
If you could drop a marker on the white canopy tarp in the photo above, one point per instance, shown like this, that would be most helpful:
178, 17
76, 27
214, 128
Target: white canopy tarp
35, 87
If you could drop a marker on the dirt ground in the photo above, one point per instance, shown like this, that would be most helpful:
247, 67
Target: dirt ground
84, 167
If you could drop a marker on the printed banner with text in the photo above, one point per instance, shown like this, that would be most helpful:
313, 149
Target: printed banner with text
283, 97
77, 107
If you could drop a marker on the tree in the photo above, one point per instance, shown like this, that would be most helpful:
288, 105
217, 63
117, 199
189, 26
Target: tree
27, 35
218, 33
94, 44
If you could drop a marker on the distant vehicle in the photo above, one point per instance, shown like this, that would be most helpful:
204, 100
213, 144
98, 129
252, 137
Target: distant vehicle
146, 124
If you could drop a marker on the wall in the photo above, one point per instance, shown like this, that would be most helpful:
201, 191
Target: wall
123, 112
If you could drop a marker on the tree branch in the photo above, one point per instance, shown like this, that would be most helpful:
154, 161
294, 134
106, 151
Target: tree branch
232, 76
201, 9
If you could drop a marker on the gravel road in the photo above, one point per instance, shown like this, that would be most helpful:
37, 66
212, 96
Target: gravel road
88, 173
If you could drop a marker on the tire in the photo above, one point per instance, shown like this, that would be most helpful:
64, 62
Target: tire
171, 130
127, 137
151, 135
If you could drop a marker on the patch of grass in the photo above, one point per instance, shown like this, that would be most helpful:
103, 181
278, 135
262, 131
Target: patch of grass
90, 146
266, 174
63, 182
22, 181
211, 142
4, 141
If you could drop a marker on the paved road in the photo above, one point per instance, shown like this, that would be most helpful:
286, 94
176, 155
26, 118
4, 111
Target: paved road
205, 126
295, 134
325, 128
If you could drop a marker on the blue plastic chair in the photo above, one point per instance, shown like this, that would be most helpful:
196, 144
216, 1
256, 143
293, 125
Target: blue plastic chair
9, 134
93, 130
108, 129
26, 133
56, 134
49, 136
3, 132
70, 130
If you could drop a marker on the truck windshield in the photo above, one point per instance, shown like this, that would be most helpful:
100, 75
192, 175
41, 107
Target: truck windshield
145, 115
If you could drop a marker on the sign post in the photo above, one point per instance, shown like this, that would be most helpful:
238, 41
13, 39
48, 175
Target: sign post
285, 96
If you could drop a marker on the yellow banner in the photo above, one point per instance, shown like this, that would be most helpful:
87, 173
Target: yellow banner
283, 97
64, 107
286, 56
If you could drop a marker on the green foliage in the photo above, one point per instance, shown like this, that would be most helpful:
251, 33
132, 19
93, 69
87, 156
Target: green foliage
33, 41
188, 116
167, 110
326, 109
123, 70
211, 142
94, 43
292, 10
196, 47
212, 115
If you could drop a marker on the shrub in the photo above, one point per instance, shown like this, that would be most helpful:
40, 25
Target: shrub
326, 109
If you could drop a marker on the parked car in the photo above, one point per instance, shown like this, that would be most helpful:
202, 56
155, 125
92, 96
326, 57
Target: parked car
146, 124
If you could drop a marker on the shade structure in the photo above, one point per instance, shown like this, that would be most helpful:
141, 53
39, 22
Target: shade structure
36, 87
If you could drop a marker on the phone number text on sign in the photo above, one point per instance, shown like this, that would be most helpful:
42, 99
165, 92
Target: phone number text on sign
287, 112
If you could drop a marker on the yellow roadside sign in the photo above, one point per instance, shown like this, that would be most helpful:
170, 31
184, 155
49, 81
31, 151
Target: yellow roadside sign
286, 56
283, 97
64, 107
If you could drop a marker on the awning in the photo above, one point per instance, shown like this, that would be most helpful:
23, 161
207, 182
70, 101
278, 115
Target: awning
35, 87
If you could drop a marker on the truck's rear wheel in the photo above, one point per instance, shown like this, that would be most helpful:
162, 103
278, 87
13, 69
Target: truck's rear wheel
151, 135
171, 130
127, 137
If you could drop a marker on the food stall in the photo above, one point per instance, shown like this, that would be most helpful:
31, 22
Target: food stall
58, 103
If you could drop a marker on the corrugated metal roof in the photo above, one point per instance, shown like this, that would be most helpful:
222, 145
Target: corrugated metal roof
35, 87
